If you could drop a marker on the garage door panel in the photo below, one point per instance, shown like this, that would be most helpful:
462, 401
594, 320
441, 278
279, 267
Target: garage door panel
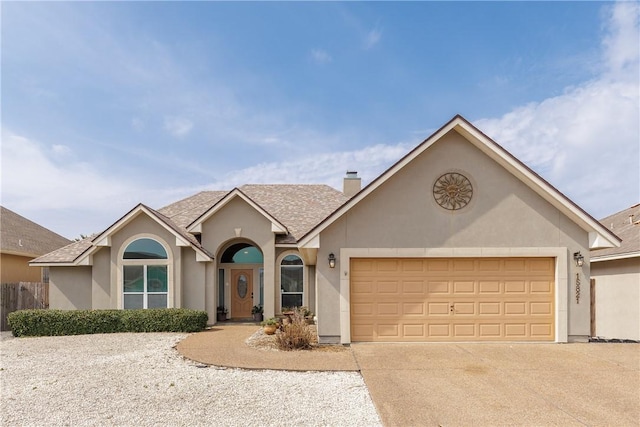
416, 330
541, 287
464, 330
391, 308
464, 308
488, 287
515, 308
466, 287
441, 287
438, 308
413, 287
497, 299
489, 308
439, 330
490, 330
413, 309
515, 287
362, 309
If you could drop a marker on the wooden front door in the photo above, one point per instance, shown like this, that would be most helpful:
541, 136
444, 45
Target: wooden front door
241, 293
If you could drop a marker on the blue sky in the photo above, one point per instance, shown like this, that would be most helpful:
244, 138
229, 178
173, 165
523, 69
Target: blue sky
105, 105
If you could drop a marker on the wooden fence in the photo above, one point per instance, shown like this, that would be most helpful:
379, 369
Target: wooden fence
19, 296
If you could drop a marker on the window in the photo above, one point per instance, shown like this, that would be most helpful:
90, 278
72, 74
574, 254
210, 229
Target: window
145, 275
291, 281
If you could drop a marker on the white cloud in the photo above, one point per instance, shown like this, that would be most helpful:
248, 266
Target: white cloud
137, 124
179, 127
60, 149
586, 141
34, 183
320, 56
372, 38
328, 168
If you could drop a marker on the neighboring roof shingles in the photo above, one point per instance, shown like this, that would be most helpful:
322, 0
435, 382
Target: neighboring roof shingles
19, 235
626, 225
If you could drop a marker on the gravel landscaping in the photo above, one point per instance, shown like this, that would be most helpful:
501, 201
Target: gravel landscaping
140, 379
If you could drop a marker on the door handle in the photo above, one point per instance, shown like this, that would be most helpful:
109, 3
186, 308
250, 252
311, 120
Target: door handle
451, 308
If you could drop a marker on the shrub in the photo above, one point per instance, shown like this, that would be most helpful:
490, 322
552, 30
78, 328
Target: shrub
77, 322
296, 334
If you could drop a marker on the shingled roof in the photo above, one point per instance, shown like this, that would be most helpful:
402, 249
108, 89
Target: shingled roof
626, 225
298, 207
20, 236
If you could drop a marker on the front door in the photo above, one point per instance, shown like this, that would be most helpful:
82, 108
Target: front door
241, 293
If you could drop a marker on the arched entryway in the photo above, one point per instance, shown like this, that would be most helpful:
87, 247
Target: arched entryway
240, 278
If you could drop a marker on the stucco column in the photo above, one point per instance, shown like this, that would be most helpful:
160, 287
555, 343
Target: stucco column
269, 259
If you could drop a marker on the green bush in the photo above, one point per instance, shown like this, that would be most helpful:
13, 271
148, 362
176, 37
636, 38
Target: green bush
77, 322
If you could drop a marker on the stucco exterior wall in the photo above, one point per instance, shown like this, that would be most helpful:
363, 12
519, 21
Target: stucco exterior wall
617, 298
220, 230
70, 288
15, 269
402, 213
193, 281
101, 289
140, 227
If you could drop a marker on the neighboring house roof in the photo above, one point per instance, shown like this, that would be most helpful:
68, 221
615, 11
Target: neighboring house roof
599, 236
20, 236
626, 224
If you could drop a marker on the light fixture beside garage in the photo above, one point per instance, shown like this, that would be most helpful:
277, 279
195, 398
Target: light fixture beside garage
332, 260
579, 259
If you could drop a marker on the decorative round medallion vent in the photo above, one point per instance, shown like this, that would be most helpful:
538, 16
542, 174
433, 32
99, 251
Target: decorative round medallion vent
452, 191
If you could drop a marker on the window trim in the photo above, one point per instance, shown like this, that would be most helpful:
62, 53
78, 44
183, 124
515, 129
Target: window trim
168, 262
305, 279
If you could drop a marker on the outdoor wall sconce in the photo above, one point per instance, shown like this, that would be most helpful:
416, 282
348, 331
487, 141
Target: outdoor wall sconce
332, 260
577, 256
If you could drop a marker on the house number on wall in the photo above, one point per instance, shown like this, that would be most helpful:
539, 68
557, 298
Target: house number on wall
577, 288
452, 191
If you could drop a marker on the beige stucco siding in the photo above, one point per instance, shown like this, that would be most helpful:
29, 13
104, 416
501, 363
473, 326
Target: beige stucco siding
617, 298
101, 289
220, 229
193, 281
140, 227
402, 213
70, 288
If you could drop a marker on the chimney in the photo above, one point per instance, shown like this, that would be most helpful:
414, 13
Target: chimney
351, 184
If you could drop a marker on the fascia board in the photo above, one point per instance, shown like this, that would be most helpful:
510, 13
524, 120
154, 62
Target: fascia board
614, 257
52, 264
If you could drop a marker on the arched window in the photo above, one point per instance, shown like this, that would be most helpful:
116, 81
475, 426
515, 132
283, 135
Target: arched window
145, 275
291, 281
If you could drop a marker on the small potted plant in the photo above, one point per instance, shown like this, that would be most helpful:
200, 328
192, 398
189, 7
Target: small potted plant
257, 313
270, 325
221, 313
308, 315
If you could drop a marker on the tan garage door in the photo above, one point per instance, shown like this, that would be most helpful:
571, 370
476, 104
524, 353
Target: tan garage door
452, 299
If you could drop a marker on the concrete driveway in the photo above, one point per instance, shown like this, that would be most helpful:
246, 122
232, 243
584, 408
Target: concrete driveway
503, 384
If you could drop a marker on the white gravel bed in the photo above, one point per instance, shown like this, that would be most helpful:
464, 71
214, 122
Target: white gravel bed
141, 380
